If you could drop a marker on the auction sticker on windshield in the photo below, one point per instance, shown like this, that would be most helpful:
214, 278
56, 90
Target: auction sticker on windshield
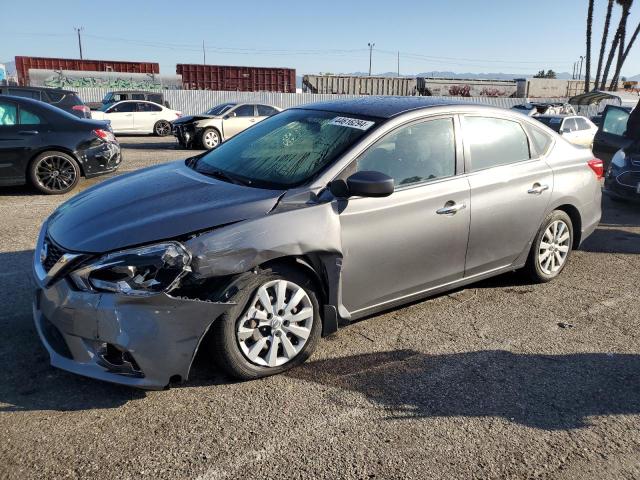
351, 123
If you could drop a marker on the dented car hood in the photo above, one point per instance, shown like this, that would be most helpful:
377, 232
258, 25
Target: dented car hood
153, 204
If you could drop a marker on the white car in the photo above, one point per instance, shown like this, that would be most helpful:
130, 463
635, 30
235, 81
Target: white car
574, 128
137, 116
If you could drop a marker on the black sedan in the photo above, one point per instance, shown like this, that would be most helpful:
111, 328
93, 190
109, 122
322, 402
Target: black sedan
51, 149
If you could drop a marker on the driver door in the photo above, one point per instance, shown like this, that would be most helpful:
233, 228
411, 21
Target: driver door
416, 238
121, 116
239, 119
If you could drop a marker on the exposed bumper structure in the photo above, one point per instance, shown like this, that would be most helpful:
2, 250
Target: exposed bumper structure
141, 341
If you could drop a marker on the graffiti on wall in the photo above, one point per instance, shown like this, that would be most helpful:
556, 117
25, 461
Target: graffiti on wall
108, 80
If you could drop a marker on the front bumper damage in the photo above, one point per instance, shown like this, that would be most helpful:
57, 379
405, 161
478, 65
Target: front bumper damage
140, 341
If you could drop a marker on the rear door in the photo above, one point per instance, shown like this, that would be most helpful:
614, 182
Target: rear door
20, 133
146, 116
610, 136
510, 189
239, 119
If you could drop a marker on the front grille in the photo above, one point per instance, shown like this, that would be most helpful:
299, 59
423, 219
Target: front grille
53, 254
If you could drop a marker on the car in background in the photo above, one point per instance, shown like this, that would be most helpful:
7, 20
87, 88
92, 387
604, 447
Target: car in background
65, 99
317, 216
220, 123
50, 148
136, 116
575, 129
120, 95
544, 108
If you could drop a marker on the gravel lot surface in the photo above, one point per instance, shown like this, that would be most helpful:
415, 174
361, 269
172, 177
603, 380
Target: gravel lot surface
499, 380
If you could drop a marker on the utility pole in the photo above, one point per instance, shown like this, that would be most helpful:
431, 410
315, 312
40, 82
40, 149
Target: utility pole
371, 45
204, 54
398, 62
580, 71
573, 75
78, 30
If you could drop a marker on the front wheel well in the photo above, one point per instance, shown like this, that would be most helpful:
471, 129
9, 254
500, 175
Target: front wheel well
576, 220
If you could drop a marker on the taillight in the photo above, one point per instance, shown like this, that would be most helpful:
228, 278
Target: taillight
597, 166
104, 135
178, 114
81, 108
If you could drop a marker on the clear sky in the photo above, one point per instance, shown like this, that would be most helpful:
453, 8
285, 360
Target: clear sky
512, 36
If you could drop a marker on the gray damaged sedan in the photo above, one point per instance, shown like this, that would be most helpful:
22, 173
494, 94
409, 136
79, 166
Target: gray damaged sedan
314, 217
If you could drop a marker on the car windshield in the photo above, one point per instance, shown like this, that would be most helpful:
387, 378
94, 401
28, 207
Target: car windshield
285, 150
220, 109
552, 122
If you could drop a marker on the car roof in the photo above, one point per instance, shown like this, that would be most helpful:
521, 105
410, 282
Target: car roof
381, 106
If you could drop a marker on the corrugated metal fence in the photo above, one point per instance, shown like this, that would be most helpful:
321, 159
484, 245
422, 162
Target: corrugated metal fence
192, 102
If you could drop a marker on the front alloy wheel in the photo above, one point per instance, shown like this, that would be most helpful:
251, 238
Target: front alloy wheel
274, 324
277, 324
162, 128
210, 138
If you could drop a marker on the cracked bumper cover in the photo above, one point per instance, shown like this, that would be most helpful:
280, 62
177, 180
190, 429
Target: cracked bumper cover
161, 332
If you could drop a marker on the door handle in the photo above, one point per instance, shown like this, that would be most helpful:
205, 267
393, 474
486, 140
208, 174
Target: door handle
252, 120
537, 189
451, 208
129, 115
28, 132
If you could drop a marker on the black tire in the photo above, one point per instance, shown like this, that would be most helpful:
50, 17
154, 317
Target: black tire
162, 128
54, 173
224, 346
204, 138
533, 267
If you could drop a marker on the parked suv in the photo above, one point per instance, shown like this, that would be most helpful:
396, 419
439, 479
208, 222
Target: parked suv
65, 99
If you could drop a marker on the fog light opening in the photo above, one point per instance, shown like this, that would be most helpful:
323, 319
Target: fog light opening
118, 361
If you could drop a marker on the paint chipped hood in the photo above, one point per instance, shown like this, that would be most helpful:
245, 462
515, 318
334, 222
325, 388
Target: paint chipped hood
153, 204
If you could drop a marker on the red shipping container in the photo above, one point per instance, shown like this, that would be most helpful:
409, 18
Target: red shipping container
23, 64
239, 79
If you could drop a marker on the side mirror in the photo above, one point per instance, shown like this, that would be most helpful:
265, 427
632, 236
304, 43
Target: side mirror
565, 130
363, 184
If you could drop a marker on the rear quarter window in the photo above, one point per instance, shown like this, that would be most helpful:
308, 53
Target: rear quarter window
541, 140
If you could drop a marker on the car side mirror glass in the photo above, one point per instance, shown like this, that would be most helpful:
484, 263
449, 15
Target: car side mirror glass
363, 184
565, 130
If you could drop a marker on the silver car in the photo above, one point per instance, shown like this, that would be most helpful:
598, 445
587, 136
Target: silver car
317, 216
219, 123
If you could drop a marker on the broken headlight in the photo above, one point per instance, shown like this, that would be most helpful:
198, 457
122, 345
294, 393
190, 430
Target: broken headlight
137, 271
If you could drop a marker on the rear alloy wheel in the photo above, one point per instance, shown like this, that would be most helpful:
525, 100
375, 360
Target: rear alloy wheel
54, 173
162, 128
551, 247
210, 138
274, 325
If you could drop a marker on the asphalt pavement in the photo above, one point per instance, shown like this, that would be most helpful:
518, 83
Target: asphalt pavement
502, 379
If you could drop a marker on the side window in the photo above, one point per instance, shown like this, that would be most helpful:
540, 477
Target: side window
8, 114
29, 118
125, 107
415, 153
55, 96
540, 140
569, 125
244, 111
266, 111
137, 96
582, 123
19, 92
615, 121
155, 98
494, 141
148, 107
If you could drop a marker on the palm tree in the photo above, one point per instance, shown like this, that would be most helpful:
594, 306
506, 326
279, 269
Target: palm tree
603, 43
587, 71
618, 41
627, 49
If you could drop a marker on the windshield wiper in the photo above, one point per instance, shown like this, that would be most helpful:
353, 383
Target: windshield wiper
222, 175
